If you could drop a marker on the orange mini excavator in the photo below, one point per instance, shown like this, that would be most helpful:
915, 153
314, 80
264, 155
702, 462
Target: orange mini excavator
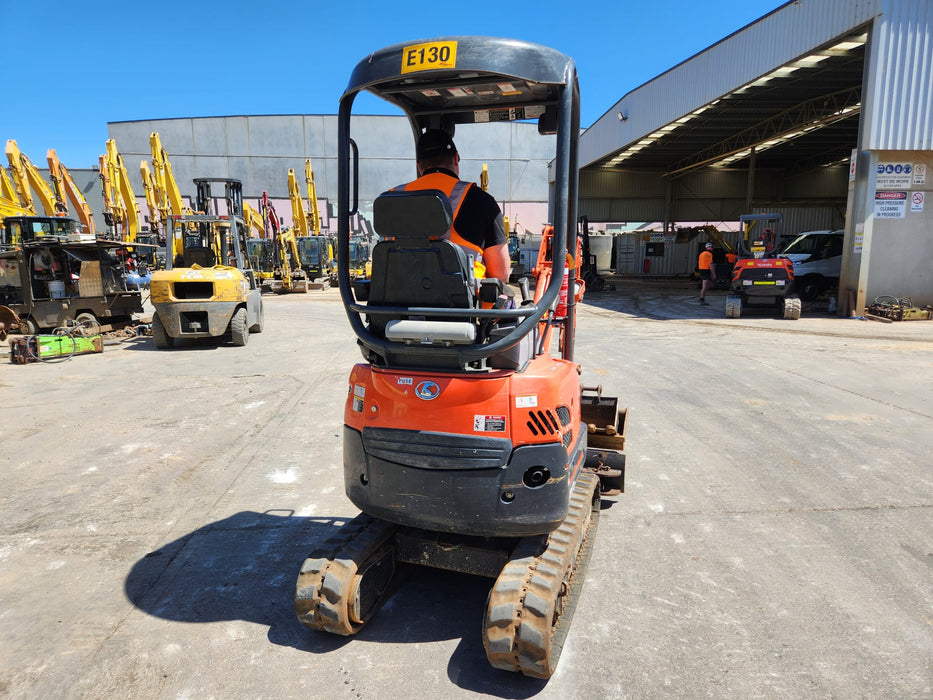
469, 443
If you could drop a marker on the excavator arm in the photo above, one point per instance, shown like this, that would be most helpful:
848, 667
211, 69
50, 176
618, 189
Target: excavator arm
168, 194
10, 203
119, 198
156, 222
299, 217
65, 186
26, 176
167, 190
254, 220
314, 216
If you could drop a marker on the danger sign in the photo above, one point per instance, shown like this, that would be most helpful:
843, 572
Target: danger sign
890, 205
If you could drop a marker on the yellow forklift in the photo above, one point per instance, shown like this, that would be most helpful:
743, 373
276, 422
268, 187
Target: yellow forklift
208, 288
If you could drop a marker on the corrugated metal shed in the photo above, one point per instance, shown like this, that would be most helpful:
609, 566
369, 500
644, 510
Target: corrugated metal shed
900, 78
790, 31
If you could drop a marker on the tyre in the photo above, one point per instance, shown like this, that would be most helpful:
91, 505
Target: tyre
792, 308
239, 333
810, 287
87, 324
28, 327
161, 339
733, 306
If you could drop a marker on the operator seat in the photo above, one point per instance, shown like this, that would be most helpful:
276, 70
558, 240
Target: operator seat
414, 266
199, 256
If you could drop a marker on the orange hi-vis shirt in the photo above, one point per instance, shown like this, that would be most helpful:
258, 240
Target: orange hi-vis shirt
456, 191
706, 259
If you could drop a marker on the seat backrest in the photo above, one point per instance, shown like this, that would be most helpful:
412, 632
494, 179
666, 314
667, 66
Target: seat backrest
413, 265
415, 214
199, 256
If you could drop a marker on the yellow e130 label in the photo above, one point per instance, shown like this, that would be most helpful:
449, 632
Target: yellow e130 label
431, 56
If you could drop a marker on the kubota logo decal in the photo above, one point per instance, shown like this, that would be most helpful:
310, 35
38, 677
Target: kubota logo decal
427, 391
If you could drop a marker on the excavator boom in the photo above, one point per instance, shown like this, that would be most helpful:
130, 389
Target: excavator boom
299, 217
167, 190
120, 205
26, 177
156, 222
65, 186
10, 203
314, 216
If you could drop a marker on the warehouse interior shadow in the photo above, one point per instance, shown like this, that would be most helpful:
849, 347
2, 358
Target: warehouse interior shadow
244, 567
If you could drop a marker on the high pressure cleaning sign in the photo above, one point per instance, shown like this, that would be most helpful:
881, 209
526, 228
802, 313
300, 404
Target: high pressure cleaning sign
890, 205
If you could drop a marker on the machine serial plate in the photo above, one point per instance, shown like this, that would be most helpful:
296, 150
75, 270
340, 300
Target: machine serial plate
432, 56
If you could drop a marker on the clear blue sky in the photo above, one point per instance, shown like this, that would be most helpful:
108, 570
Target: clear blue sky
71, 67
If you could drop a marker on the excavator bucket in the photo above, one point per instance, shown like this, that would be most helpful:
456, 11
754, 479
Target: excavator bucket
605, 438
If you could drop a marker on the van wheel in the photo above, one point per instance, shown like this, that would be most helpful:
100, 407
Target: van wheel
161, 339
809, 287
239, 332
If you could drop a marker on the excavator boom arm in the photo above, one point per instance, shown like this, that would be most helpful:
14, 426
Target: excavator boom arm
26, 177
119, 198
66, 187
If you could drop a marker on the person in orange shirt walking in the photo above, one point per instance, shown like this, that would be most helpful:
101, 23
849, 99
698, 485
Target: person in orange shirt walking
707, 272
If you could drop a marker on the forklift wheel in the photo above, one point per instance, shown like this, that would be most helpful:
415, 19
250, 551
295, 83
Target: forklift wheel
160, 338
239, 332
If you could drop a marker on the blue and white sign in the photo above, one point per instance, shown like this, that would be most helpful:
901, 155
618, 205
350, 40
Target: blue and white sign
893, 176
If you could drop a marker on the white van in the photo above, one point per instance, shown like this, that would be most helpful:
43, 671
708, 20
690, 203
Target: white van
817, 257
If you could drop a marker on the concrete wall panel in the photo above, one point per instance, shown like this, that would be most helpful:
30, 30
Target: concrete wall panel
177, 136
276, 136
320, 135
210, 137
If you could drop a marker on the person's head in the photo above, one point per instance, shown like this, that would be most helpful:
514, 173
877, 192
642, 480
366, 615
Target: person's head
437, 150
709, 247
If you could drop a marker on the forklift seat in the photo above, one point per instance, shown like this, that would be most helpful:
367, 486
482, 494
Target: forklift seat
413, 266
199, 256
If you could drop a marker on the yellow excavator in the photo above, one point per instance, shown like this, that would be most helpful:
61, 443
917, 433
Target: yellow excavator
11, 205
167, 193
208, 288
259, 246
288, 273
27, 180
65, 187
121, 212
315, 251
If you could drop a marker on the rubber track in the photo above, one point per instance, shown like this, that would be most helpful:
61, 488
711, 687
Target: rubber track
532, 602
326, 586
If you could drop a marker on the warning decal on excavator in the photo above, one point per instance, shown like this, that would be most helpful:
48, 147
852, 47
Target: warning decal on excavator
430, 56
489, 424
526, 401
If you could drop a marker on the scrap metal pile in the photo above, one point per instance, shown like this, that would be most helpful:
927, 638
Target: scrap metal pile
899, 309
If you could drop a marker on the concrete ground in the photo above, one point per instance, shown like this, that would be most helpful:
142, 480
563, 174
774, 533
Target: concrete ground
775, 539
